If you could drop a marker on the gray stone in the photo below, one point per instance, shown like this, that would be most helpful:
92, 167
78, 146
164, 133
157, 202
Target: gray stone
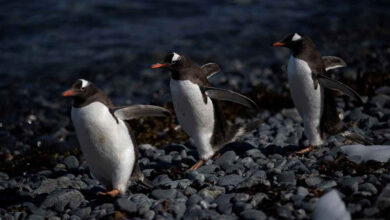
207, 169
126, 205
302, 191
383, 201
3, 176
213, 191
193, 200
35, 217
258, 198
178, 208
252, 214
164, 194
287, 178
195, 175
226, 159
49, 185
254, 153
230, 180
241, 197
368, 187
350, 185
224, 204
82, 213
327, 184
313, 181
59, 199
284, 212
71, 162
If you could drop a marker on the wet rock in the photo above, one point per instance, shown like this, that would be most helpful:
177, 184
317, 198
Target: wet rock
71, 162
61, 198
252, 214
226, 159
3, 176
313, 181
49, 185
230, 180
195, 175
213, 191
383, 201
287, 178
164, 194
368, 187
82, 213
224, 203
126, 205
257, 199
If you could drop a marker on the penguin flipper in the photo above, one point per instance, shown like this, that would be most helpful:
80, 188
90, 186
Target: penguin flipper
332, 62
228, 95
137, 111
209, 69
338, 86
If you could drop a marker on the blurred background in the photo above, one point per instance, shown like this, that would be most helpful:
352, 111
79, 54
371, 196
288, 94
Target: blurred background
46, 45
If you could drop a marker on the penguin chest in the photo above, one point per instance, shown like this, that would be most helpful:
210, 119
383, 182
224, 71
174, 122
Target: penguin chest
194, 114
307, 99
106, 144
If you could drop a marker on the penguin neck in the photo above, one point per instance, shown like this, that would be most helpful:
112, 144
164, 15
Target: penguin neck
79, 102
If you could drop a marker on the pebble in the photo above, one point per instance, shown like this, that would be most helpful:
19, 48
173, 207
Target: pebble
126, 205
71, 162
252, 214
164, 194
231, 179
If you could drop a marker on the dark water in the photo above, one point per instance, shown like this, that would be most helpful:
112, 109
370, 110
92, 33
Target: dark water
125, 37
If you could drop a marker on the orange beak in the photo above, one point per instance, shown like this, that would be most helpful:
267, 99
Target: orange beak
158, 65
278, 44
69, 92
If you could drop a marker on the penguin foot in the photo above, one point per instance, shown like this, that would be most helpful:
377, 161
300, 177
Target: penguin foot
305, 150
113, 193
197, 165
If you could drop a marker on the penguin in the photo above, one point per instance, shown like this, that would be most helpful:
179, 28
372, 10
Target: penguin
105, 136
197, 108
312, 90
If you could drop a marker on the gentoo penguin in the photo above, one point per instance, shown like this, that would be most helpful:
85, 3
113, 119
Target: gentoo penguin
105, 137
311, 89
197, 108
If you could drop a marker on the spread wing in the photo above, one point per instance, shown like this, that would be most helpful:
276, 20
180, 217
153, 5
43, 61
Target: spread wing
338, 86
210, 69
332, 62
228, 95
137, 111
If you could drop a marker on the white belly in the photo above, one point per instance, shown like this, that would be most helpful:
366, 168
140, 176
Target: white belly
307, 100
194, 115
106, 145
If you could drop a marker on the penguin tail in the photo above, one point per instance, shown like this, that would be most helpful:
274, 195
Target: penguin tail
361, 139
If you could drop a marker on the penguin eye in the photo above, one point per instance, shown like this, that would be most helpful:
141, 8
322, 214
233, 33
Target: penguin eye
82, 88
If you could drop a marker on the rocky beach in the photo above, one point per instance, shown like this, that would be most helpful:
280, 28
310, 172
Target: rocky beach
45, 46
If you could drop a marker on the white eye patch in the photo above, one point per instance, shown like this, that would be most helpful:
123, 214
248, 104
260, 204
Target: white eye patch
296, 37
84, 83
175, 57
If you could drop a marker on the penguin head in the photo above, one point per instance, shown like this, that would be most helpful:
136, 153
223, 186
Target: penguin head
81, 90
294, 41
173, 61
